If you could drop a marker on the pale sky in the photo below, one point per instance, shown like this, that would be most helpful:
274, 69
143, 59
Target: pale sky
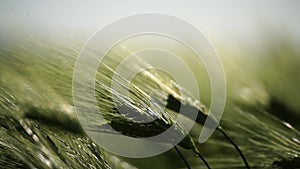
230, 19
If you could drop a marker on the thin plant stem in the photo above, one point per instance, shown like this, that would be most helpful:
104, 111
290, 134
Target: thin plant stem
236, 147
182, 157
203, 159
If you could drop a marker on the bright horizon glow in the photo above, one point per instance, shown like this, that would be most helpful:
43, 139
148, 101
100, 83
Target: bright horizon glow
230, 20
